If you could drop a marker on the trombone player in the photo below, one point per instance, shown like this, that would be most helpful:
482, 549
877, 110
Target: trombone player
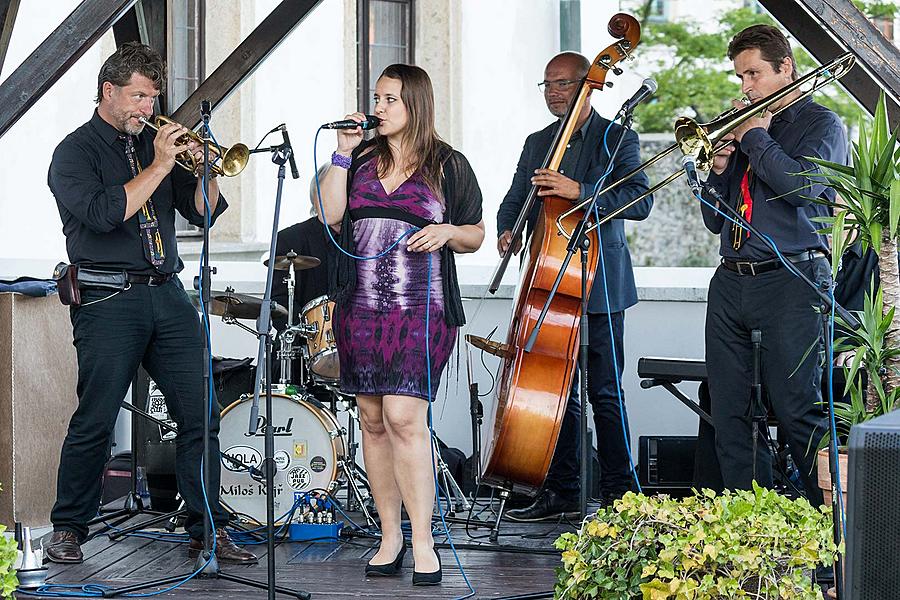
117, 192
751, 289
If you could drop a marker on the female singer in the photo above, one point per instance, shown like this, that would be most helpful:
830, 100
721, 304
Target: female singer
376, 191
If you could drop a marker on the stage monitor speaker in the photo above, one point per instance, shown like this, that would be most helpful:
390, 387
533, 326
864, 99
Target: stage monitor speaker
872, 562
666, 463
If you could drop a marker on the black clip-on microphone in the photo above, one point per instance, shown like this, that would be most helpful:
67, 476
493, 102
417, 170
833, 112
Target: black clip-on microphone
289, 150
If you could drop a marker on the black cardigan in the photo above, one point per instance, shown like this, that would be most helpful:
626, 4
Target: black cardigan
463, 207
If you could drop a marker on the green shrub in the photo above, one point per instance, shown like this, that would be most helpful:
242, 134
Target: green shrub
753, 544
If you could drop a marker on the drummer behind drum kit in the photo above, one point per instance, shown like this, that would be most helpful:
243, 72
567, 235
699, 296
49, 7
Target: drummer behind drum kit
313, 453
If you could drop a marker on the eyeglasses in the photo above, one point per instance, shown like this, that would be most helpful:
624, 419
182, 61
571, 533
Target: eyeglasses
561, 85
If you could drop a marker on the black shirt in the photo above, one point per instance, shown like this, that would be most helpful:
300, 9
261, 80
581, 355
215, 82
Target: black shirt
781, 193
87, 176
306, 239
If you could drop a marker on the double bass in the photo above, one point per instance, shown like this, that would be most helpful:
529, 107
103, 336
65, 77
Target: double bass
533, 387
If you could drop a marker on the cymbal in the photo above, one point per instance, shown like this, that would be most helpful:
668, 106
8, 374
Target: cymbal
283, 263
489, 346
241, 306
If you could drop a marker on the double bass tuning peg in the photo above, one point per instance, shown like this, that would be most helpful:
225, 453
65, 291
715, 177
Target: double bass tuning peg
617, 70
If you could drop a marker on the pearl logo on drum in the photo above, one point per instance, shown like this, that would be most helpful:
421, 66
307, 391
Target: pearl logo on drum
262, 423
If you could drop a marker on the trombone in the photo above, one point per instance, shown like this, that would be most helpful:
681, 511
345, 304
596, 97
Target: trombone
703, 141
233, 161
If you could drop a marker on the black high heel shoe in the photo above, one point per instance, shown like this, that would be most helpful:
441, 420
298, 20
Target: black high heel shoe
432, 578
388, 569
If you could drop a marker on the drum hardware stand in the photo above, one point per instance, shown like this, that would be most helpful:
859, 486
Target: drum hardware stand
455, 494
134, 505
172, 516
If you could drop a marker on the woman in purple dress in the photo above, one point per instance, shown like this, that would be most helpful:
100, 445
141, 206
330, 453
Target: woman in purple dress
377, 191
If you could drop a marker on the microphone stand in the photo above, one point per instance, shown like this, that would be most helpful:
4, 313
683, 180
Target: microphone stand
281, 154
207, 566
824, 308
580, 242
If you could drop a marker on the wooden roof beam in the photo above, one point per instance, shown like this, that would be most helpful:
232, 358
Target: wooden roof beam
55, 55
877, 59
8, 10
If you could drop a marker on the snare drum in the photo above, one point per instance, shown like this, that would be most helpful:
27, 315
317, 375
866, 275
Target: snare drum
309, 448
323, 356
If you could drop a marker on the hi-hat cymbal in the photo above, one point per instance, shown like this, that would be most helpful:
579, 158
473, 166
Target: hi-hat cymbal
283, 263
241, 306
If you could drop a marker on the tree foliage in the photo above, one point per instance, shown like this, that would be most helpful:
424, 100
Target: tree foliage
697, 80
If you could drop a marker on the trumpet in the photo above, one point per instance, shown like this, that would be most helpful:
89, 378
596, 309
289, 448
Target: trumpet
233, 159
703, 141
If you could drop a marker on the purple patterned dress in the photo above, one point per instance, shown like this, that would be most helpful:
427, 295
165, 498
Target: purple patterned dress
380, 330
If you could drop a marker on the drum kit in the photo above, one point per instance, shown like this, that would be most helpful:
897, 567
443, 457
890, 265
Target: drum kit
313, 452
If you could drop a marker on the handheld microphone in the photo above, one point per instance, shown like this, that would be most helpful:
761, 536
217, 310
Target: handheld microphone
647, 89
371, 122
690, 169
290, 151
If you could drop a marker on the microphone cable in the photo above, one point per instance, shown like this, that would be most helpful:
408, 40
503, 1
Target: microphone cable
410, 231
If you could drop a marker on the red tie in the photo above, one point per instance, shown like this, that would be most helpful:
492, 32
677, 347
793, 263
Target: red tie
746, 209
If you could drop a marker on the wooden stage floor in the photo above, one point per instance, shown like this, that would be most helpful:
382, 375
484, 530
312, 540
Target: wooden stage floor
332, 569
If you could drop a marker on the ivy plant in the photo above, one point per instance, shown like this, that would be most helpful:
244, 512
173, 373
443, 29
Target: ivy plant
740, 544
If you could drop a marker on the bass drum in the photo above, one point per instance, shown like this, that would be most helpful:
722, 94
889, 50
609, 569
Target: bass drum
309, 451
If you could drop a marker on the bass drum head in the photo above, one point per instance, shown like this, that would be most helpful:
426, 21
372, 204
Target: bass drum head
308, 449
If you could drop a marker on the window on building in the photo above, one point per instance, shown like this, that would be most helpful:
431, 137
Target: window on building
385, 37
186, 49
659, 10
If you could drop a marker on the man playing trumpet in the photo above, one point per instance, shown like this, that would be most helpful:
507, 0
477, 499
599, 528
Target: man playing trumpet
117, 194
765, 175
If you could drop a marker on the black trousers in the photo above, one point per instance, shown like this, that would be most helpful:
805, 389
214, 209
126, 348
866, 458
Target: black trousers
785, 311
615, 467
156, 327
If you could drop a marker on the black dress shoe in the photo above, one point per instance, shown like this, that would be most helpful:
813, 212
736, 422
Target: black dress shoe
387, 569
226, 550
64, 548
432, 578
548, 504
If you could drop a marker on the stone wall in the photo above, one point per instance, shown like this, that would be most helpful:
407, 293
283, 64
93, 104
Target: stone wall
673, 235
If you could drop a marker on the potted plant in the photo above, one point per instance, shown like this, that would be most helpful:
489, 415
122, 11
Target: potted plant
703, 547
867, 211
8, 581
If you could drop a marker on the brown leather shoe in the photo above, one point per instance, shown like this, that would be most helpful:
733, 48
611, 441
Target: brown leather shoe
226, 550
64, 548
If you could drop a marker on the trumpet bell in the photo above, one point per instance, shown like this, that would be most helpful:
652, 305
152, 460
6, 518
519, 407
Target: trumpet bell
234, 160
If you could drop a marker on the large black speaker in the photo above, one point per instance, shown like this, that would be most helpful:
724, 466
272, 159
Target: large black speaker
666, 463
873, 510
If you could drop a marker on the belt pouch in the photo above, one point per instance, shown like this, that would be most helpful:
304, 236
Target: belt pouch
65, 276
104, 280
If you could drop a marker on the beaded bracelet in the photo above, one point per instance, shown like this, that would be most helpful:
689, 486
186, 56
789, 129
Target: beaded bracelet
339, 160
